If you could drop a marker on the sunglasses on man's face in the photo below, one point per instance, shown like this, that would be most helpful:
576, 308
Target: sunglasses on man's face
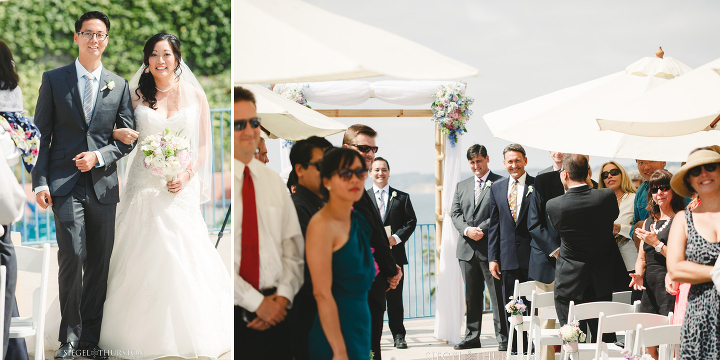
365, 148
663, 188
347, 174
241, 124
696, 171
613, 172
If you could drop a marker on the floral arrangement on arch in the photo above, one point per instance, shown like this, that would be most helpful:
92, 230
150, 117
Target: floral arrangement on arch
451, 110
294, 92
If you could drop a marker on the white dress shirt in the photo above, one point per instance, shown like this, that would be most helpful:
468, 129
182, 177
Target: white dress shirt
280, 241
627, 250
385, 198
520, 189
484, 185
82, 83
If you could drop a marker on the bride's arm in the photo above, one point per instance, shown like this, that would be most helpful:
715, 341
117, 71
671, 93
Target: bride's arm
126, 135
318, 250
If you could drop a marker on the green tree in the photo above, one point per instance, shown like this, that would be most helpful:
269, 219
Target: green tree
40, 34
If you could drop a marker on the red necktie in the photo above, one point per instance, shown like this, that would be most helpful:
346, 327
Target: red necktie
250, 255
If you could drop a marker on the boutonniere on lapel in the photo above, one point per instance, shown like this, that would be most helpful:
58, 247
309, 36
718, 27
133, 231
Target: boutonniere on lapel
530, 190
394, 194
488, 183
109, 85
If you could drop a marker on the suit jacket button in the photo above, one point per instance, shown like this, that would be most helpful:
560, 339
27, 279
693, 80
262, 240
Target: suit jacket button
517, 243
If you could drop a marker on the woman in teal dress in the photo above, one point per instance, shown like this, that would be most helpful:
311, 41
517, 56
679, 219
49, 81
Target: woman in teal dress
340, 261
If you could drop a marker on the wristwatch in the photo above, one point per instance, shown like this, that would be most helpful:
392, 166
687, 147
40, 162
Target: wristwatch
659, 247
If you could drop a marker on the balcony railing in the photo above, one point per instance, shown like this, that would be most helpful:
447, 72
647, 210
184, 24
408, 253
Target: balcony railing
38, 225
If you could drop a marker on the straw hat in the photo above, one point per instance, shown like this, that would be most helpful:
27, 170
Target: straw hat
697, 158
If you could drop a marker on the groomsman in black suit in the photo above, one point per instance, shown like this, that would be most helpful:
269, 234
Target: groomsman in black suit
361, 138
509, 239
471, 217
305, 158
583, 218
396, 210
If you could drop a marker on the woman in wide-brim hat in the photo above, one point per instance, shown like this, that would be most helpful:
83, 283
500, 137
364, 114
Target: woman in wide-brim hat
693, 249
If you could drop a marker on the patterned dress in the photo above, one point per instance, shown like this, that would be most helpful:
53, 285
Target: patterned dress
701, 328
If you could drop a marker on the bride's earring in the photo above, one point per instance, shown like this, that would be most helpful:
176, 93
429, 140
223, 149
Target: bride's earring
147, 70
329, 188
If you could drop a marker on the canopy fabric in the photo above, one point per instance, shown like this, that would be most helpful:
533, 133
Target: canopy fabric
285, 119
686, 105
354, 92
566, 120
279, 41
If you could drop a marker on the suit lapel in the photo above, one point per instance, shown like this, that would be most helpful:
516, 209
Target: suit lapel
483, 193
104, 79
371, 193
389, 202
504, 188
75, 91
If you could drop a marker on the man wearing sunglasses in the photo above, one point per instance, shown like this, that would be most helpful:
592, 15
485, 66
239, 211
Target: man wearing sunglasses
264, 214
361, 138
305, 158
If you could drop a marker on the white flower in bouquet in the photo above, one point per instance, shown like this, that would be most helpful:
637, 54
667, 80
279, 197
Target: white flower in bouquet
571, 333
166, 153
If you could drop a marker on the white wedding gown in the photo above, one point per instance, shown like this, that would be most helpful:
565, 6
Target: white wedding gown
168, 293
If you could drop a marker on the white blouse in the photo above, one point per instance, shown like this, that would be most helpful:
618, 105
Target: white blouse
627, 250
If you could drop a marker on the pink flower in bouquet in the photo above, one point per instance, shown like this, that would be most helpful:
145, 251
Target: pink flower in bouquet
184, 157
446, 101
441, 107
455, 98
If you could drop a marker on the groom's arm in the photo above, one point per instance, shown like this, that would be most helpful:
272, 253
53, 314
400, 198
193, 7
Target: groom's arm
44, 115
124, 119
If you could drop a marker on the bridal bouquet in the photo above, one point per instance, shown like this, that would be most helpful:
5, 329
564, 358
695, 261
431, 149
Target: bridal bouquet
166, 154
570, 334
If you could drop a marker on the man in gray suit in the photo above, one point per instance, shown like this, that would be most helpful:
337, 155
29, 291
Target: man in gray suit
471, 217
76, 173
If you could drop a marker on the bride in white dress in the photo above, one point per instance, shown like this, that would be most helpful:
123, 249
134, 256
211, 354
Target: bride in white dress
168, 292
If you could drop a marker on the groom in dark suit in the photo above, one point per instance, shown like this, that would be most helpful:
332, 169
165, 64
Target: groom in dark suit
76, 173
471, 217
396, 211
583, 218
509, 238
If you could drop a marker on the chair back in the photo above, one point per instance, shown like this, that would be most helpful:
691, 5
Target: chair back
666, 337
624, 297
525, 289
592, 310
35, 261
625, 322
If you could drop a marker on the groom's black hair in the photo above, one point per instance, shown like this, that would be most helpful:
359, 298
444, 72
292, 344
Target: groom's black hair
92, 15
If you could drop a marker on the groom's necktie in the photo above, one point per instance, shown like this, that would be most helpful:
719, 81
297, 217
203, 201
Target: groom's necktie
88, 96
249, 251
512, 200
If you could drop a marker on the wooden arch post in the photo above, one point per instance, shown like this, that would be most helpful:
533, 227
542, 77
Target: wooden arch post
439, 161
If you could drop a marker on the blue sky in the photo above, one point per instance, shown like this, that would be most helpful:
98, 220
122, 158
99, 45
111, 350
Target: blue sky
523, 49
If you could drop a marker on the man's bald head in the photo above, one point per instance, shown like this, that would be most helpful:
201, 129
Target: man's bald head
576, 166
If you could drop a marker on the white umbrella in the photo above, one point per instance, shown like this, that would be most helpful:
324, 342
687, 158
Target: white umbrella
280, 41
288, 120
565, 120
686, 105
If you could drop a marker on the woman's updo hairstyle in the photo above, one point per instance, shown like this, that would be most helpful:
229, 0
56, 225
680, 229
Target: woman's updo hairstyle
146, 84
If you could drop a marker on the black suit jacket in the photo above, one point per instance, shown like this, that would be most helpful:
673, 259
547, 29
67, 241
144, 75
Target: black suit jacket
546, 170
465, 214
584, 219
306, 205
64, 133
382, 254
545, 240
400, 216
508, 241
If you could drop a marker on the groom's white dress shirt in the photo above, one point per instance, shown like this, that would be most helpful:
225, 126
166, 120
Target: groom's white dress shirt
82, 83
280, 241
385, 198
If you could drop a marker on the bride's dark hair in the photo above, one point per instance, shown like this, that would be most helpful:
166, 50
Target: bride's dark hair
146, 83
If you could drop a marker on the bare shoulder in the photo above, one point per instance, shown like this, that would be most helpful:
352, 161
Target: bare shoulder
136, 96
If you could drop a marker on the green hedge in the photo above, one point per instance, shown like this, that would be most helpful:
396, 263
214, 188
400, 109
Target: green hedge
40, 35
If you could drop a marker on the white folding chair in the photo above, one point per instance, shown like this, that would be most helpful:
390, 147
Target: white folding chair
538, 336
34, 261
623, 322
665, 337
624, 297
592, 310
525, 289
